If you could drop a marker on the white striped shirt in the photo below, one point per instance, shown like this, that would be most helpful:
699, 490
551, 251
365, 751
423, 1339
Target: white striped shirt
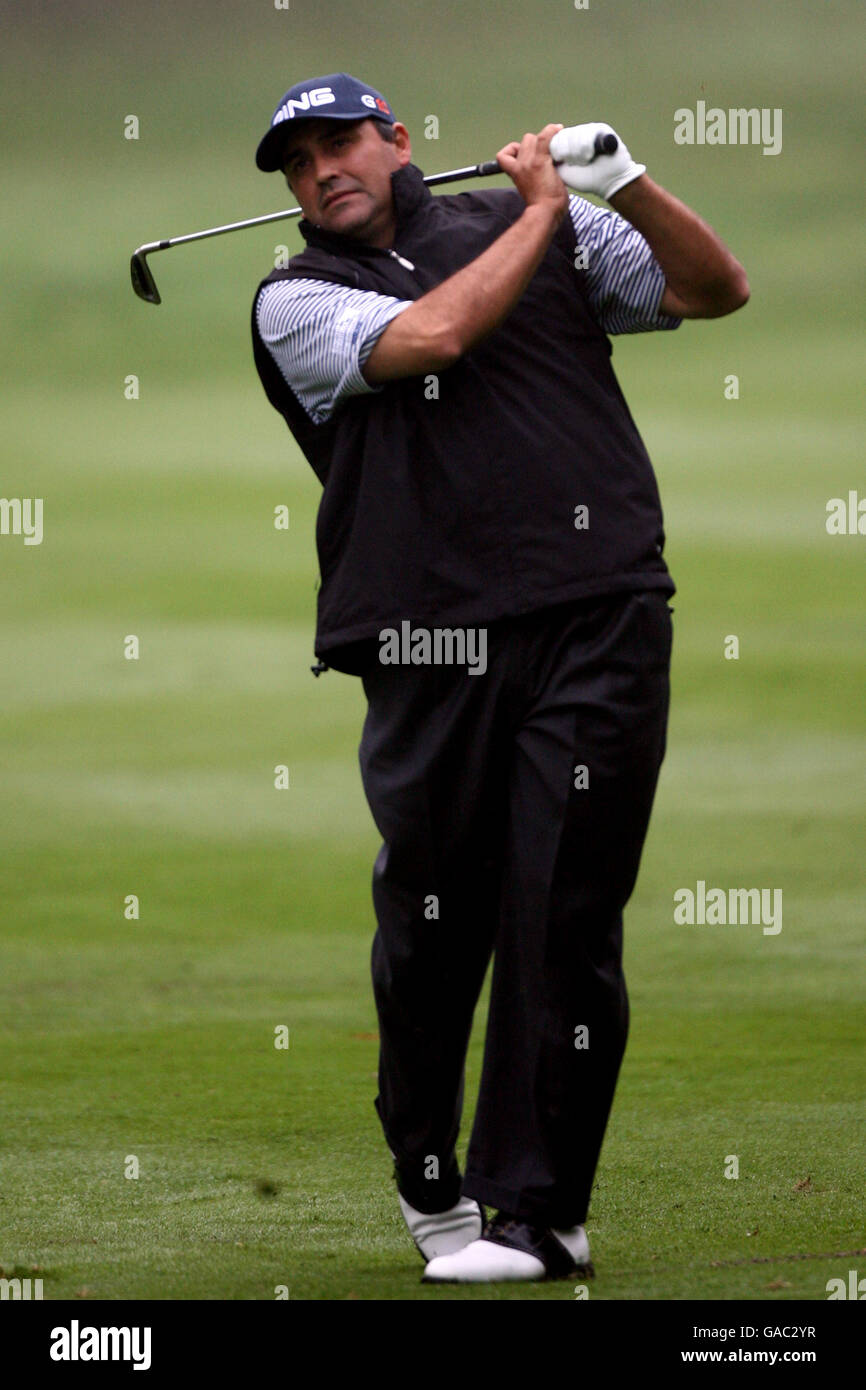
321, 334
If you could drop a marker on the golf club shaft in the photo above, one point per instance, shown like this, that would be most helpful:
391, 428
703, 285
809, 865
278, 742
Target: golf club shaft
142, 277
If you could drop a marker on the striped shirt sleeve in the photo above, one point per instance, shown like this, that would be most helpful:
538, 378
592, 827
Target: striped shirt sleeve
625, 281
320, 335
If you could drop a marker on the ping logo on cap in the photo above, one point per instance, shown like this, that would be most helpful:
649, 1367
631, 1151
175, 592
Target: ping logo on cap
319, 96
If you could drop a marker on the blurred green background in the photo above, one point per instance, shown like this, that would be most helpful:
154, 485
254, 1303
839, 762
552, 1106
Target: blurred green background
154, 1037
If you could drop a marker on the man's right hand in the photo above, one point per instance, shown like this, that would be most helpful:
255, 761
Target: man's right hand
528, 163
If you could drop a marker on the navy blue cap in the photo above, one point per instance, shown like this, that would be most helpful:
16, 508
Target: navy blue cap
337, 97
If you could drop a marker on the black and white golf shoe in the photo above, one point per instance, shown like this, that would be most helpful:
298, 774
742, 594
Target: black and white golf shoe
444, 1233
511, 1249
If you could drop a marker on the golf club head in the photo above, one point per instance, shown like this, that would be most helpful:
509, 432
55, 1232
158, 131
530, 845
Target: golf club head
142, 280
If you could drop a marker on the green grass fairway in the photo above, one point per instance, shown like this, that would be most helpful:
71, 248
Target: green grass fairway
154, 1039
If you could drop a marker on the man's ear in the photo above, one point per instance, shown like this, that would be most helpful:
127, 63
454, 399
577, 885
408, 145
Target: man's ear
402, 143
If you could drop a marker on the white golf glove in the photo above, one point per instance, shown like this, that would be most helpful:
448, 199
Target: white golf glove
573, 152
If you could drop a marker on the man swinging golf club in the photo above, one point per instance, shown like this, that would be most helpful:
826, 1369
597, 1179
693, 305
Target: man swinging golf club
444, 363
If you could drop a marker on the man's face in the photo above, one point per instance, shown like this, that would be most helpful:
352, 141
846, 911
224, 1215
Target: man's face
340, 173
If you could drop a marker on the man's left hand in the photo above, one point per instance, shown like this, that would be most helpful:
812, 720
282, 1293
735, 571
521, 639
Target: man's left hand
573, 153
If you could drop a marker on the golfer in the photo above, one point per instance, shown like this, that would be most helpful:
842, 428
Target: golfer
490, 543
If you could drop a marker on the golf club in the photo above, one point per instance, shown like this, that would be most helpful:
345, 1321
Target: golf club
142, 276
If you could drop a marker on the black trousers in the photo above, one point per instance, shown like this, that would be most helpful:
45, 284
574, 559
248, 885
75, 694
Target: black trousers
496, 842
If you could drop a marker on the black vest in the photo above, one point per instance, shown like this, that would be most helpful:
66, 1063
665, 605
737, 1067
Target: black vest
461, 509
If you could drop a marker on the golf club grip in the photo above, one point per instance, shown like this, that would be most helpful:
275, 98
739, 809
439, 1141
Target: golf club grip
603, 144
